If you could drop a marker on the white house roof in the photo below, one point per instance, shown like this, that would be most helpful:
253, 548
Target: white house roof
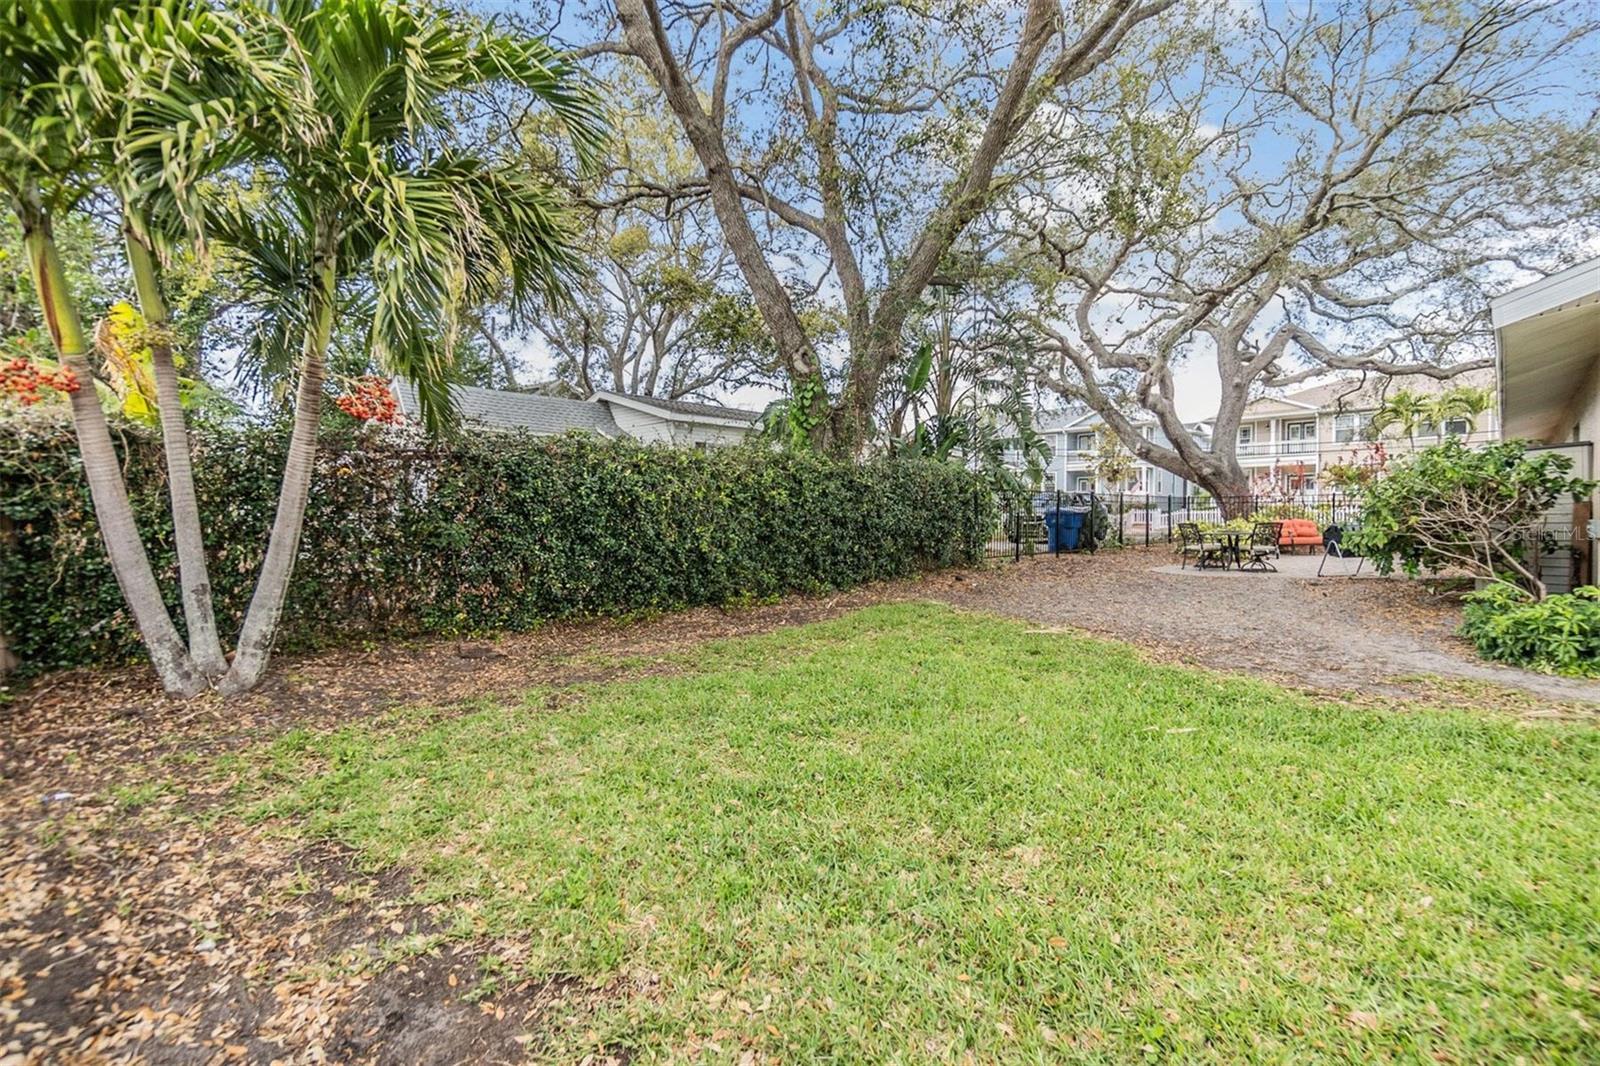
1091, 419
500, 409
682, 410
546, 415
1280, 405
1548, 339
1085, 420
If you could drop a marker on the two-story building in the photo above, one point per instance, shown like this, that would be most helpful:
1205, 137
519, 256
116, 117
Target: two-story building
1074, 438
1287, 442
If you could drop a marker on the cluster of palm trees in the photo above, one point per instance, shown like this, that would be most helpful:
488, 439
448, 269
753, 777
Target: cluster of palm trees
309, 138
1410, 411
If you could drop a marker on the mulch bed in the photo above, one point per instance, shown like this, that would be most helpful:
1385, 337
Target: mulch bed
160, 935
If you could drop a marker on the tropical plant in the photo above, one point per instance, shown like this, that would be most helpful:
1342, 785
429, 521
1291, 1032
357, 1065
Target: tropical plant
1464, 403
62, 68
1560, 634
1404, 409
358, 206
1477, 510
984, 424
1113, 464
1361, 470
371, 210
161, 92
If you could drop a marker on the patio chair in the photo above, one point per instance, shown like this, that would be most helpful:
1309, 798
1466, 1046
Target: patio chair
1193, 542
1263, 546
1333, 547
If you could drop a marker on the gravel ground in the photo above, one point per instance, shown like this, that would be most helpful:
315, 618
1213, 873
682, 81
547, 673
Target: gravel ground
1334, 634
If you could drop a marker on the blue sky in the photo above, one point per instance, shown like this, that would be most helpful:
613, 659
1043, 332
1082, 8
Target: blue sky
1198, 387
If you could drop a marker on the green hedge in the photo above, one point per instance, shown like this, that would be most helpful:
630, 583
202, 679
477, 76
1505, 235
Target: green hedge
1559, 634
497, 532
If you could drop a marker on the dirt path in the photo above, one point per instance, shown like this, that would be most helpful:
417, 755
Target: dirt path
136, 926
1332, 634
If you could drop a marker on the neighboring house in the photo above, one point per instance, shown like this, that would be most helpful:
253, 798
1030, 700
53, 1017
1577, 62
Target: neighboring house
1548, 339
1287, 442
1074, 439
609, 414
679, 422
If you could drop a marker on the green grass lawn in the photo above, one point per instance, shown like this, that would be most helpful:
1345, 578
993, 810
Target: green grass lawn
911, 834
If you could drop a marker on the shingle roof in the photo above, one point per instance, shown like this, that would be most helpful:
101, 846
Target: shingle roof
541, 415
1354, 394
689, 407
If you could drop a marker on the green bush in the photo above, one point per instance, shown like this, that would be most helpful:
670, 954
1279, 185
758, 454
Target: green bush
1559, 634
497, 532
1455, 507
1232, 525
1322, 513
1282, 512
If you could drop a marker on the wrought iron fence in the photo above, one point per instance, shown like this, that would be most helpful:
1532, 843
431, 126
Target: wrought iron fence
1049, 523
1054, 522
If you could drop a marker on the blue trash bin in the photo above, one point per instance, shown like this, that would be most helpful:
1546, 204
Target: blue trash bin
1062, 528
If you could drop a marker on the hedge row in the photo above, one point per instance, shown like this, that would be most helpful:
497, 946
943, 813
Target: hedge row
499, 532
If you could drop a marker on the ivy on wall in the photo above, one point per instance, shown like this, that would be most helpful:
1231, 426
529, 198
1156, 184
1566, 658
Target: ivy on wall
494, 532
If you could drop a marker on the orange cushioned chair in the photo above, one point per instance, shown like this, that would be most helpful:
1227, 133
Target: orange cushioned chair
1300, 532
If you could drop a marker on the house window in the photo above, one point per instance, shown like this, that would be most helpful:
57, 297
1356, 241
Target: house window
1247, 434
1301, 431
1453, 427
1351, 426
1085, 484
1084, 442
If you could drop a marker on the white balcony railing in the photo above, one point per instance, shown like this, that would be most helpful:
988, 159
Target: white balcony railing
1274, 448
1278, 447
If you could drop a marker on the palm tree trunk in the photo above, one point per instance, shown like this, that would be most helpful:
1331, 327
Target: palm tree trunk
198, 614
272, 586
124, 547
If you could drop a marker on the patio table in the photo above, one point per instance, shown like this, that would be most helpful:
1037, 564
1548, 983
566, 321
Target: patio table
1229, 551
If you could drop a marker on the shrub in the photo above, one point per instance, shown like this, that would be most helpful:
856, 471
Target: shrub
405, 536
1473, 509
1282, 512
1232, 525
1559, 634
